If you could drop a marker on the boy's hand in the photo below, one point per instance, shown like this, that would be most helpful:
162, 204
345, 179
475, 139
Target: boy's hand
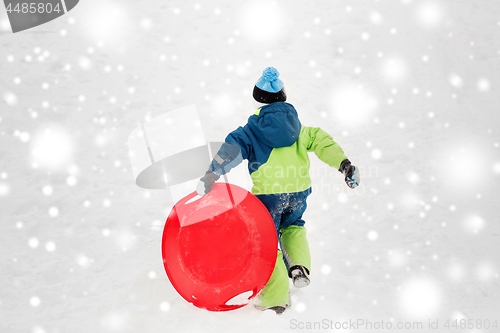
352, 177
351, 173
205, 183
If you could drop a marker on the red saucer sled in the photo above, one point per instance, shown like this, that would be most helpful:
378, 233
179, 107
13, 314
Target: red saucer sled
218, 247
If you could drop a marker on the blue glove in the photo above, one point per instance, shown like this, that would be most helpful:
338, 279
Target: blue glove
350, 172
205, 183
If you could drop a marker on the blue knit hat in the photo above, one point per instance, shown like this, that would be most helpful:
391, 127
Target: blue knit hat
269, 88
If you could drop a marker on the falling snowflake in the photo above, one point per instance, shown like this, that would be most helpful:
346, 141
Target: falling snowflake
35, 301
429, 14
85, 63
395, 70
262, 11
485, 272
164, 306
83, 261
483, 85
53, 211
376, 18
108, 24
456, 168
413, 178
52, 148
397, 258
372, 235
10, 98
353, 105
496, 168
115, 321
50, 246
456, 271
300, 307
71, 180
4, 189
38, 329
326, 269
376, 154
146, 23
33, 243
420, 298
456, 81
342, 197
473, 223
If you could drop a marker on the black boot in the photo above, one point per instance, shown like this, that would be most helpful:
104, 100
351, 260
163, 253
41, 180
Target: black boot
299, 276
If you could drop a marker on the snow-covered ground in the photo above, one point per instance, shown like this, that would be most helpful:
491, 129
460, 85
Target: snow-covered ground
408, 88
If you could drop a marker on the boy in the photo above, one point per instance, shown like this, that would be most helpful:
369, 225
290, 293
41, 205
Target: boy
276, 146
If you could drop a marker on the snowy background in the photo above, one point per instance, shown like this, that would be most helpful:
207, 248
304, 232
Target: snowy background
408, 88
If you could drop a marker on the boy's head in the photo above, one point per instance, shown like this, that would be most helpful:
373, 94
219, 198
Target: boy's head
269, 88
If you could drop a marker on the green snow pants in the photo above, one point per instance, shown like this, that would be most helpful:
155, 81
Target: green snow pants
295, 252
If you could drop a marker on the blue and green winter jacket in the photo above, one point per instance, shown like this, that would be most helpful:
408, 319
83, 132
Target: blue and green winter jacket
276, 146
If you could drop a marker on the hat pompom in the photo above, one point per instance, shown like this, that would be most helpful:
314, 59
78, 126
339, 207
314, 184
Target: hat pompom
270, 74
269, 88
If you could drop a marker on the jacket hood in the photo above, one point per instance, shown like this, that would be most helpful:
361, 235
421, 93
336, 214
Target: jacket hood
277, 125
